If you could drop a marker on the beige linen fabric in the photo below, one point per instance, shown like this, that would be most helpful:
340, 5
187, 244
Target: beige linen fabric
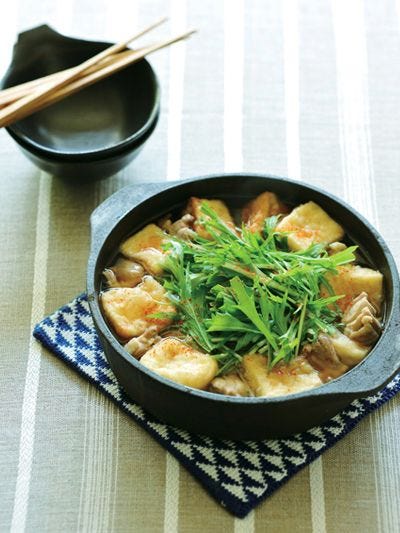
306, 88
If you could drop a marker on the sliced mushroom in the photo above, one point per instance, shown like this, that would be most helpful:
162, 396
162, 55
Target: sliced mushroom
231, 385
124, 273
139, 345
323, 357
362, 324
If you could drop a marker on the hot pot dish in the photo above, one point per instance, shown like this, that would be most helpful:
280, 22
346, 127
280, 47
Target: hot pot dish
265, 300
242, 306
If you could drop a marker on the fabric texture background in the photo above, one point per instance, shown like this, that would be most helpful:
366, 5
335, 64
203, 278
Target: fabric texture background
301, 88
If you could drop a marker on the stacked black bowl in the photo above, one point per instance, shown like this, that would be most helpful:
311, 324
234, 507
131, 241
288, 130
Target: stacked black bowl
95, 132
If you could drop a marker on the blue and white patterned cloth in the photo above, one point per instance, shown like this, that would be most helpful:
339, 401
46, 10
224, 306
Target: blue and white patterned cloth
239, 475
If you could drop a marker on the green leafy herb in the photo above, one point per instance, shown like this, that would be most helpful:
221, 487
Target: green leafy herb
243, 292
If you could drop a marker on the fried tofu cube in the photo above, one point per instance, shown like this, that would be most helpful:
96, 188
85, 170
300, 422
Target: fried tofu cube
194, 208
130, 310
173, 359
265, 205
307, 224
145, 247
151, 236
152, 260
352, 280
283, 379
349, 352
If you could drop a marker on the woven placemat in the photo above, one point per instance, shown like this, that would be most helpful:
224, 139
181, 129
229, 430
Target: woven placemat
239, 475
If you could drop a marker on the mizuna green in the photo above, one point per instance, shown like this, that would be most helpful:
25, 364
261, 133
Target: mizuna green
243, 292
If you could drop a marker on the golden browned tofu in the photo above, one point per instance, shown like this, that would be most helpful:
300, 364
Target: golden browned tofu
178, 362
130, 310
349, 352
152, 260
151, 236
256, 211
194, 209
352, 280
145, 247
296, 376
307, 224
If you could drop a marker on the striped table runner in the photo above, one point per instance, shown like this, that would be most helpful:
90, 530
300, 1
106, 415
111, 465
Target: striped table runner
301, 88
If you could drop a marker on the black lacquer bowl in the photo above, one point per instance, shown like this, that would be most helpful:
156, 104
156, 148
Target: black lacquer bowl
130, 209
95, 132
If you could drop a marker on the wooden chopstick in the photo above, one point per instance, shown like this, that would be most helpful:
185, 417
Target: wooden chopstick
115, 66
23, 106
11, 94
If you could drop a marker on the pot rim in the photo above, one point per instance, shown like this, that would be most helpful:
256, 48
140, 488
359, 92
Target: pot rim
342, 386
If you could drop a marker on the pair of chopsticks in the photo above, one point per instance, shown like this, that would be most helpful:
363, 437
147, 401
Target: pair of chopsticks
22, 100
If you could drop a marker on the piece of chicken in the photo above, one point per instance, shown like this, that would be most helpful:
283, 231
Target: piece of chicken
146, 247
230, 384
125, 273
263, 206
173, 359
362, 324
351, 280
349, 351
130, 310
323, 357
137, 346
194, 208
283, 379
309, 223
182, 227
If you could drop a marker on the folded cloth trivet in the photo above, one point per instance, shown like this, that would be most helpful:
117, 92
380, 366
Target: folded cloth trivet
239, 475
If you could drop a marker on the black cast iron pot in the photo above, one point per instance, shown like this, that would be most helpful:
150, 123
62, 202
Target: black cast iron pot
133, 207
